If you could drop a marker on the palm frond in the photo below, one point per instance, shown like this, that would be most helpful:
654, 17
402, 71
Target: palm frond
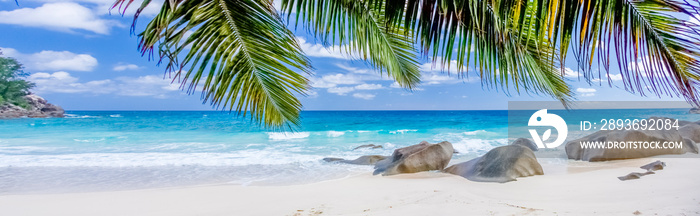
360, 27
238, 51
482, 35
653, 49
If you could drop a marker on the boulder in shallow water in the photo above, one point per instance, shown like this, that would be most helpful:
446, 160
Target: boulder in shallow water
416, 158
690, 131
526, 142
363, 160
694, 110
501, 164
369, 146
574, 149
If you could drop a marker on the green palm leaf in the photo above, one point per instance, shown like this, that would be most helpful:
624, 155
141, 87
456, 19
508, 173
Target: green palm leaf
478, 32
238, 50
653, 49
360, 27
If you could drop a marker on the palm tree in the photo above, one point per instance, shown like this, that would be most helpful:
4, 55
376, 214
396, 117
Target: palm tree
246, 59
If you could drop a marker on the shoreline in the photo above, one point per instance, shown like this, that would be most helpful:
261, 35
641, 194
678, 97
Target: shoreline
573, 188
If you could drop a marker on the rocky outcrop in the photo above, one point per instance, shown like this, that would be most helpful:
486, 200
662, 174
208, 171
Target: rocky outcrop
694, 110
363, 160
501, 164
576, 152
526, 142
654, 166
651, 167
416, 158
634, 175
690, 131
369, 146
38, 108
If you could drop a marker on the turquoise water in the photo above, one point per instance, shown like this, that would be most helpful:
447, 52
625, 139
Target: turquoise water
115, 150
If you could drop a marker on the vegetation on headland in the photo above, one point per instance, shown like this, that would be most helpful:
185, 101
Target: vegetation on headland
13, 87
246, 59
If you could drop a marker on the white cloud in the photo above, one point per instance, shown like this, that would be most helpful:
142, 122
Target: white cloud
438, 73
105, 7
354, 69
613, 77
312, 94
318, 50
396, 85
49, 60
59, 16
364, 96
341, 90
143, 86
63, 82
368, 86
333, 80
586, 92
570, 73
440, 67
123, 67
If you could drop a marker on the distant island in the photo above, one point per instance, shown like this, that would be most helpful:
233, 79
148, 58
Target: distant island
16, 101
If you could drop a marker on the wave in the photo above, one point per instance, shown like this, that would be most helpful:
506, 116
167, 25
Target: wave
80, 116
478, 141
475, 132
237, 158
402, 131
24, 149
116, 116
335, 133
89, 140
287, 135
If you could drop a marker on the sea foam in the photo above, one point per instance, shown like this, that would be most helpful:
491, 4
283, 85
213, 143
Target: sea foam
287, 135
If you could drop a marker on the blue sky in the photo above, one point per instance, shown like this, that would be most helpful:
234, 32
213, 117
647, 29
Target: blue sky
84, 58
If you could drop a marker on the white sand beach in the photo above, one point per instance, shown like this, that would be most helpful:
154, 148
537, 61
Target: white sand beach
579, 188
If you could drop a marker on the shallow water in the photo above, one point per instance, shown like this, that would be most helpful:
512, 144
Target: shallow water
116, 150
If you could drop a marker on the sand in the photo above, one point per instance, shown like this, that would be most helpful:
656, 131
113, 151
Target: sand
567, 188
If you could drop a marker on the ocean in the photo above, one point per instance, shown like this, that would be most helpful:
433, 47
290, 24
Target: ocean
124, 150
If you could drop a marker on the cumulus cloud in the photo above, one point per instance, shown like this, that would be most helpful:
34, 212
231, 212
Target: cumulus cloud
123, 67
49, 60
105, 7
333, 80
341, 90
439, 73
318, 50
364, 96
64, 82
53, 60
354, 69
453, 67
396, 85
60, 16
570, 73
368, 86
586, 92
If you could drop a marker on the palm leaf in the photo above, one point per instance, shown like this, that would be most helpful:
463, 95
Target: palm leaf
238, 51
482, 35
653, 49
360, 27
